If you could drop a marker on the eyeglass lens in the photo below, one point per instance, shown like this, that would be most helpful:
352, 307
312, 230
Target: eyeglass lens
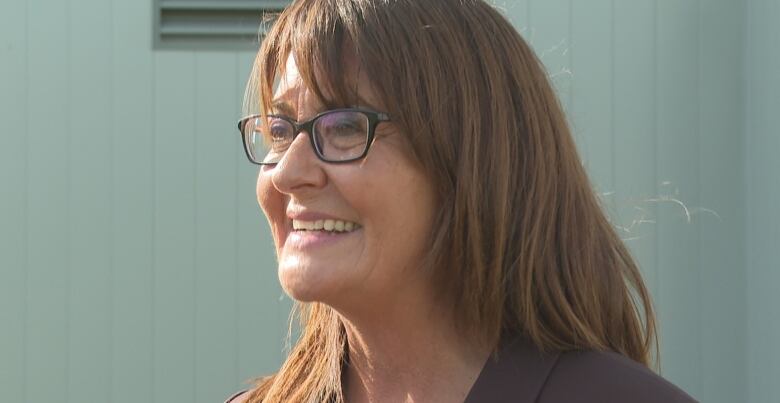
338, 136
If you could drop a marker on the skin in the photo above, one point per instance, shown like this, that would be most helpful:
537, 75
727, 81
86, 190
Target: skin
402, 344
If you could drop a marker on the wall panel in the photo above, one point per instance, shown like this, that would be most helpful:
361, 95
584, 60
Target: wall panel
518, 12
89, 238
13, 203
175, 204
48, 224
549, 32
591, 109
132, 220
215, 252
722, 203
677, 171
634, 108
762, 142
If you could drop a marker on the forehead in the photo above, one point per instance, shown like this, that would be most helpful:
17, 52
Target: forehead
290, 78
292, 88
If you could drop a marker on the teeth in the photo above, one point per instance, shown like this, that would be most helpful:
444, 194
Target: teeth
327, 225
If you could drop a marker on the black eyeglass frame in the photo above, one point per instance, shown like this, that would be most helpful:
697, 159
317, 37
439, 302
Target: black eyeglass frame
374, 119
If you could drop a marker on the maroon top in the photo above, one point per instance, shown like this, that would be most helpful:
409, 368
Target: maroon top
521, 374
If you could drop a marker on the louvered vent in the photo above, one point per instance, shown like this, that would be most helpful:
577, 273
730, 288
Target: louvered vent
211, 24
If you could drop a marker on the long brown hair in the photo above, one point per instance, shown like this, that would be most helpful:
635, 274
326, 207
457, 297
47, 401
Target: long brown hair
520, 241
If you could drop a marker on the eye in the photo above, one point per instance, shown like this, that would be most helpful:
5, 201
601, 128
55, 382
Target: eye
341, 124
279, 129
345, 127
341, 135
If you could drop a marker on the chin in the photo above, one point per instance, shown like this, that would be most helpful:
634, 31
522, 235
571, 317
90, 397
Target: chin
305, 284
297, 289
321, 278
302, 294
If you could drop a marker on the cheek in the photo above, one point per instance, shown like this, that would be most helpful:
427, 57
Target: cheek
261, 188
272, 204
402, 208
262, 191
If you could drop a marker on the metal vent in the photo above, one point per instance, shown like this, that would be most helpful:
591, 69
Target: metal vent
211, 24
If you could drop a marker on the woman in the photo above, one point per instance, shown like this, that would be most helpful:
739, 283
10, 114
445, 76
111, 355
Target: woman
432, 218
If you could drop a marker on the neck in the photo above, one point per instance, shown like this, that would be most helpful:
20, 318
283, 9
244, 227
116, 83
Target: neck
409, 351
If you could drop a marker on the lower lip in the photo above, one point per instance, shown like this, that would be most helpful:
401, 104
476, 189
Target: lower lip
312, 239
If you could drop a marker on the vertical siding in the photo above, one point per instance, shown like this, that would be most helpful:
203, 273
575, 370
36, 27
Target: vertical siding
132, 266
175, 228
549, 31
722, 315
592, 52
215, 253
132, 189
762, 78
48, 201
651, 99
634, 125
677, 171
13, 203
89, 203
135, 265
517, 12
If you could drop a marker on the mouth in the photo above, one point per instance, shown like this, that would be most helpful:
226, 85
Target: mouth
319, 233
327, 226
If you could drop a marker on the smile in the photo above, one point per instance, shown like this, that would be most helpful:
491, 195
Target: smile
325, 225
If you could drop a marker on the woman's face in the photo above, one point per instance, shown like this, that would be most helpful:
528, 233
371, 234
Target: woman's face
384, 199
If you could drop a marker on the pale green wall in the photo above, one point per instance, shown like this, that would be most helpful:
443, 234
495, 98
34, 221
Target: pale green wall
762, 189
135, 265
653, 89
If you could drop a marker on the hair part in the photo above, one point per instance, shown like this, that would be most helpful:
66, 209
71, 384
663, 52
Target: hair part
520, 245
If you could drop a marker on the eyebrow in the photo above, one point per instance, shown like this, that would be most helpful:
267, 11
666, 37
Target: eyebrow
283, 107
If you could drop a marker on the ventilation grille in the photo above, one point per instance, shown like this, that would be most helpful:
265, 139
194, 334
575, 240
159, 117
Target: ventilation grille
212, 24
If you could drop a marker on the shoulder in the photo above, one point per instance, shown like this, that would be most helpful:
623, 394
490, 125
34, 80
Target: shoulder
239, 397
593, 376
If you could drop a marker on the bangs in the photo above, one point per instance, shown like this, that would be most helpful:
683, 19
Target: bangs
320, 36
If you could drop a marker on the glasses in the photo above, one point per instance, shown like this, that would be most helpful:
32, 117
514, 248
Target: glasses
337, 136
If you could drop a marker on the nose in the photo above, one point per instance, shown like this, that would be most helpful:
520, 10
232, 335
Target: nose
299, 170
